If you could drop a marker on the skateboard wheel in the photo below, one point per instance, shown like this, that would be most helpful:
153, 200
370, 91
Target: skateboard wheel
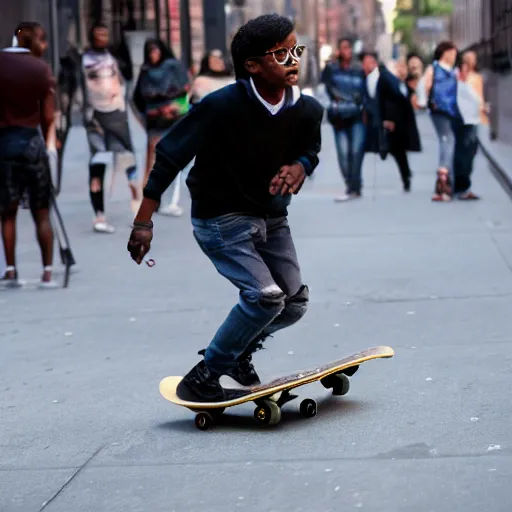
268, 413
308, 408
204, 420
341, 385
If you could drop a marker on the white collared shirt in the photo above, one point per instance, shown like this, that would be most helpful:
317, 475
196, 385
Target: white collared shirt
275, 109
371, 82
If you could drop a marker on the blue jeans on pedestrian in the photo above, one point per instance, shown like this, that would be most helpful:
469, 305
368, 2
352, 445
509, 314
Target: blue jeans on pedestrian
466, 148
258, 256
445, 130
350, 143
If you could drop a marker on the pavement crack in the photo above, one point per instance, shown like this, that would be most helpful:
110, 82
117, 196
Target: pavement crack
70, 479
501, 253
370, 458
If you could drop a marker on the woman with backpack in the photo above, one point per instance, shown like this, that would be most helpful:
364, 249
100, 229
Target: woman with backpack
441, 86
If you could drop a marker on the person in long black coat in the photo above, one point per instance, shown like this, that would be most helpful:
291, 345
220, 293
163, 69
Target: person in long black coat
390, 116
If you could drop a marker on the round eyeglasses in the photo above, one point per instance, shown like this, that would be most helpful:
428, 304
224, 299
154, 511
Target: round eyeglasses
283, 55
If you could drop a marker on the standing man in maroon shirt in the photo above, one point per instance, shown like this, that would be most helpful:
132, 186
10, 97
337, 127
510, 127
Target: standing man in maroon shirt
27, 97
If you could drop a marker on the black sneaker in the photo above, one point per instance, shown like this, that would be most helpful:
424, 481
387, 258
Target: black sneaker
199, 385
243, 373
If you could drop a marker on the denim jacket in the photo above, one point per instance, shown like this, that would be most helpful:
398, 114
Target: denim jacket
346, 89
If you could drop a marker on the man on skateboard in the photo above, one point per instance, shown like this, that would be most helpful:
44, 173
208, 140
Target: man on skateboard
255, 142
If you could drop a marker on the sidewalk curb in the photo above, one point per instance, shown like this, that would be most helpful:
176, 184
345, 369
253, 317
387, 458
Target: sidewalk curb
497, 170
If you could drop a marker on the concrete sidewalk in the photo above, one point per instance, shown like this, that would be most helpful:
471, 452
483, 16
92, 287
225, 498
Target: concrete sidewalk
83, 427
499, 154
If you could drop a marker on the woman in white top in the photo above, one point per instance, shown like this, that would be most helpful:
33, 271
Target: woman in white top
213, 74
473, 110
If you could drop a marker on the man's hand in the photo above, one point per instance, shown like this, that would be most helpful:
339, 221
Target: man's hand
288, 180
389, 125
140, 240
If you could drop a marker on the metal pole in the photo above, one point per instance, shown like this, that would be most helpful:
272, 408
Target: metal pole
214, 19
288, 8
157, 18
54, 36
317, 45
327, 23
186, 41
167, 23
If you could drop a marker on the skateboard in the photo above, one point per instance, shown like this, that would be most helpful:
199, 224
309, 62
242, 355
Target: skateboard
270, 397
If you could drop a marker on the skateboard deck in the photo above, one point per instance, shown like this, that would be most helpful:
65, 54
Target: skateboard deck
271, 396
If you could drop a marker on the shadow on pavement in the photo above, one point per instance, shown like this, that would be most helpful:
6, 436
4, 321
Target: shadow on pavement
327, 408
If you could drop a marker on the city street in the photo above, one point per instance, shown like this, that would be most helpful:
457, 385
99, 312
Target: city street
83, 427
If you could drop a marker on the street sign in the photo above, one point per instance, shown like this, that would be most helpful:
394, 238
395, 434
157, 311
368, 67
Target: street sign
431, 24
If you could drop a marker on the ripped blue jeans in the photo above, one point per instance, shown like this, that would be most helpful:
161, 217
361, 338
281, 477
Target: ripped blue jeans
445, 128
258, 256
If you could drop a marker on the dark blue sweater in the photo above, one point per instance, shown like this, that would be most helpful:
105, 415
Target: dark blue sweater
239, 147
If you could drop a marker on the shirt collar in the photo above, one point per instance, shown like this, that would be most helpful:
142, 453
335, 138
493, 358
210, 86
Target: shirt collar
273, 109
16, 49
375, 73
445, 66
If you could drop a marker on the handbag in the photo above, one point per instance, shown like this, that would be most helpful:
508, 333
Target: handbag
344, 108
343, 111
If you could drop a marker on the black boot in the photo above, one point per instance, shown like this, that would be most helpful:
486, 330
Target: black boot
200, 385
243, 373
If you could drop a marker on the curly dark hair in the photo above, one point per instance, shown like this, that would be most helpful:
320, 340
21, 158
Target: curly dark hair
348, 39
256, 37
25, 32
442, 48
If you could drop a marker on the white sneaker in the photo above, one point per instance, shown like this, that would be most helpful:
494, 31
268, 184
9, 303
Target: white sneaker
342, 199
11, 283
103, 227
47, 285
173, 210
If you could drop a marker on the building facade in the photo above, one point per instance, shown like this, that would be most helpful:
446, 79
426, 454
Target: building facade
58, 17
190, 27
485, 26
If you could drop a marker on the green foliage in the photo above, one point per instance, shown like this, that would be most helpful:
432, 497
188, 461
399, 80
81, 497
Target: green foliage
436, 7
405, 22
